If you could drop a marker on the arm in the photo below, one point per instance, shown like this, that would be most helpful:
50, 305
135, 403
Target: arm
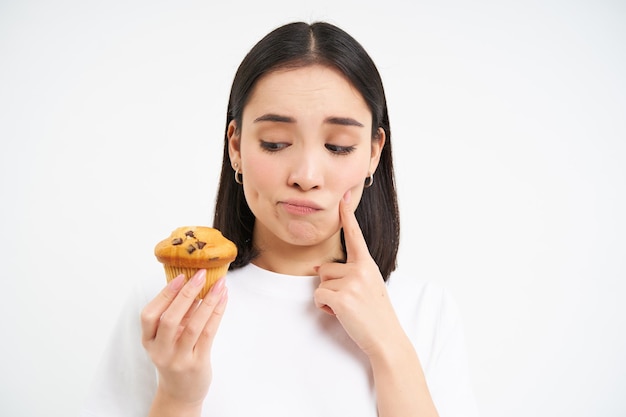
164, 405
401, 388
399, 381
356, 294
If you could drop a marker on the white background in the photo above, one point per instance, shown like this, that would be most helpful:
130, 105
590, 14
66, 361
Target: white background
509, 132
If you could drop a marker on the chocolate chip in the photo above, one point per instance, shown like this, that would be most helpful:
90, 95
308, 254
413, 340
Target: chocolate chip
190, 249
200, 244
189, 233
177, 241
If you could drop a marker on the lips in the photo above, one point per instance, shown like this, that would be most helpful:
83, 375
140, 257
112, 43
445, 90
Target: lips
300, 207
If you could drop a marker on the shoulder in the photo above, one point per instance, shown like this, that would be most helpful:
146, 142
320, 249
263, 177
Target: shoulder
426, 310
410, 292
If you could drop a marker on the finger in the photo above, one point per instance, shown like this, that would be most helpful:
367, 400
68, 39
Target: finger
190, 312
323, 297
202, 316
356, 247
327, 310
205, 341
331, 271
171, 319
152, 312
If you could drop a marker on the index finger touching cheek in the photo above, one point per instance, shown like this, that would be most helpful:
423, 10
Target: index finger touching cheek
356, 247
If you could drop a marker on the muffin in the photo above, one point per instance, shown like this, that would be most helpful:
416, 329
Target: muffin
191, 248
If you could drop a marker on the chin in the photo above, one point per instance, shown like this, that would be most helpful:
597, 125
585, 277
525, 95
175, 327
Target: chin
306, 234
302, 234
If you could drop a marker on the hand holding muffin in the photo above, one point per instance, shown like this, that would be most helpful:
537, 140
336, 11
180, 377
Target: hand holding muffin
178, 329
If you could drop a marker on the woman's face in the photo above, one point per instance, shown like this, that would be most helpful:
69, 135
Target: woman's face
305, 140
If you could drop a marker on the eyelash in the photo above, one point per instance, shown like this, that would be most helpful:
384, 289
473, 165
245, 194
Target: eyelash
340, 150
273, 147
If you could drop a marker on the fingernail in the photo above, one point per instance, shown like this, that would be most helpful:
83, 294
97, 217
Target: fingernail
199, 278
316, 268
218, 286
177, 283
347, 196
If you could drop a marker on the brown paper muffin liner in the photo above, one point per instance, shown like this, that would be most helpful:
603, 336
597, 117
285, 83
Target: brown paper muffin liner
212, 275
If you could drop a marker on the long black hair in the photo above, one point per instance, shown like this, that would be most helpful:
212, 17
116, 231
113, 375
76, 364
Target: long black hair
297, 45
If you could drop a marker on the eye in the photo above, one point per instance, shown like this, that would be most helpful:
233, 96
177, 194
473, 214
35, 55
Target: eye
339, 150
273, 146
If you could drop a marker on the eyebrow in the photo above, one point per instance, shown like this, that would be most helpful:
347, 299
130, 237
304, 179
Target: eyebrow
271, 117
341, 121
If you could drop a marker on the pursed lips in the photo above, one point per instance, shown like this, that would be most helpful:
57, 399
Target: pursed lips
300, 207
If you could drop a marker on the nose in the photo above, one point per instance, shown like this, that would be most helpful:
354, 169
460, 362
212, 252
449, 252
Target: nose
305, 171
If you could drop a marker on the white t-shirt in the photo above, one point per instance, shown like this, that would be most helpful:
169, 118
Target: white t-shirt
277, 355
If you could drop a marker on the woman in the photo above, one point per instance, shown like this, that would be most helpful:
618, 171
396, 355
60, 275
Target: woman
315, 324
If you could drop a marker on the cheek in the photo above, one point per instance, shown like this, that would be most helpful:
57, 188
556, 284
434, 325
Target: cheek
350, 174
261, 175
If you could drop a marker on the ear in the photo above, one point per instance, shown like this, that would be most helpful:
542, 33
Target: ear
234, 145
378, 143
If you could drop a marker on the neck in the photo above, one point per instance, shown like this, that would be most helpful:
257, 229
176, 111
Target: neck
284, 258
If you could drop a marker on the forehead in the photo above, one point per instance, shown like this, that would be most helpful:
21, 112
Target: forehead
313, 88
